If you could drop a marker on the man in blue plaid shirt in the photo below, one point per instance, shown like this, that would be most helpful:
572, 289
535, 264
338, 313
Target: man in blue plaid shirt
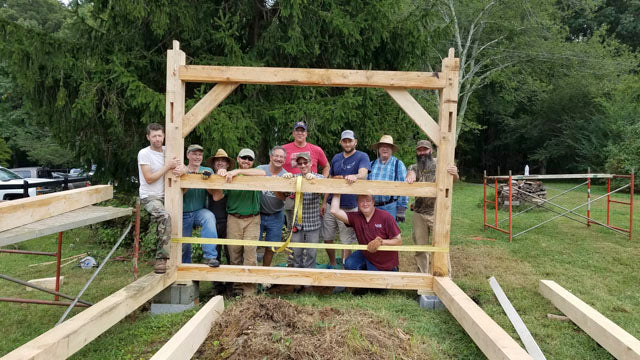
389, 168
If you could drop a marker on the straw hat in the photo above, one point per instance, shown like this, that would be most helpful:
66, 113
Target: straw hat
221, 154
385, 139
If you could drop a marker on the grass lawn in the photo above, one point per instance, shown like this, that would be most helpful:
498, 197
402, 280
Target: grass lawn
597, 265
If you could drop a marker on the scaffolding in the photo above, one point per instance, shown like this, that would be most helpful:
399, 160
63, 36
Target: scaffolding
559, 210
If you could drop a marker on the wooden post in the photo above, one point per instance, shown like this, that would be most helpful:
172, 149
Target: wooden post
174, 146
446, 153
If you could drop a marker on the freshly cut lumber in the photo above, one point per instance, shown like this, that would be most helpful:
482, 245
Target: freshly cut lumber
494, 342
19, 212
188, 339
529, 343
417, 113
313, 277
49, 283
311, 77
205, 106
331, 186
67, 338
610, 336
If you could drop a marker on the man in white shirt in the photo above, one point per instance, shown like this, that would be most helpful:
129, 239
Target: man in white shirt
151, 170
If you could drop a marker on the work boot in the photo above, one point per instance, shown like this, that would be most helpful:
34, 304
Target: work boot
212, 262
161, 266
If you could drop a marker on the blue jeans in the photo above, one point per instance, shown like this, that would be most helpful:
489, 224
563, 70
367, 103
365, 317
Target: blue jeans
390, 208
272, 225
207, 220
357, 261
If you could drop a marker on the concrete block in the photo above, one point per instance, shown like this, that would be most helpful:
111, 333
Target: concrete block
431, 302
157, 309
184, 293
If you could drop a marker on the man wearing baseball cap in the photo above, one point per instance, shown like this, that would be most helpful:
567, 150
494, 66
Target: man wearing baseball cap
195, 212
243, 223
389, 168
300, 145
424, 170
351, 165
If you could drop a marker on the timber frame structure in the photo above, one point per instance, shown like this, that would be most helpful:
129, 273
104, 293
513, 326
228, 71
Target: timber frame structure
70, 336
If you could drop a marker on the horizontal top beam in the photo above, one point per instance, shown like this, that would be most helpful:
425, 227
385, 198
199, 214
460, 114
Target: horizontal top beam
312, 77
552, 176
323, 186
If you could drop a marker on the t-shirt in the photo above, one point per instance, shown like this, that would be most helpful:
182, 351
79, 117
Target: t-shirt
155, 159
317, 157
381, 224
195, 199
341, 165
243, 202
269, 203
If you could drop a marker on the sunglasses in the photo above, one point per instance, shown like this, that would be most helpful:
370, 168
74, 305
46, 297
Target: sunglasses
246, 157
301, 163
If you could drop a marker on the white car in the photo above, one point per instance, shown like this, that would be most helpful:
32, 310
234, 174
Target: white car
8, 177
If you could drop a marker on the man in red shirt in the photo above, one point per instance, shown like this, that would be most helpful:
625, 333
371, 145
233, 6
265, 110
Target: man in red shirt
373, 227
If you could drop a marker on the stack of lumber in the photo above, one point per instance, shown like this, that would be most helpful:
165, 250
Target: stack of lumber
521, 191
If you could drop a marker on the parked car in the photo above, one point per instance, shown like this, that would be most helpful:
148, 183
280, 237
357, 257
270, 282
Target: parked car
8, 177
46, 173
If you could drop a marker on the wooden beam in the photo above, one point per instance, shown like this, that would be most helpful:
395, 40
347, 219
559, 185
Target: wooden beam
174, 145
70, 220
527, 339
610, 336
188, 339
313, 277
67, 338
439, 265
205, 106
415, 111
494, 342
330, 186
19, 212
312, 77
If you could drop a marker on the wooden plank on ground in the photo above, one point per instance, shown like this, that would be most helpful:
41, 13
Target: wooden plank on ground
19, 212
494, 342
331, 186
553, 176
311, 77
527, 339
188, 339
205, 106
313, 277
417, 113
67, 338
70, 220
610, 336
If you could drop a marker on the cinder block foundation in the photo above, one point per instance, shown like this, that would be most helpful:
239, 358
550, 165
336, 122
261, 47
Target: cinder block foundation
431, 302
176, 298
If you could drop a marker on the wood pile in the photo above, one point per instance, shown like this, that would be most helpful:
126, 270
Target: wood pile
519, 189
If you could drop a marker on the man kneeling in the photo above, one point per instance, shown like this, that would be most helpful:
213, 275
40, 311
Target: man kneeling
373, 227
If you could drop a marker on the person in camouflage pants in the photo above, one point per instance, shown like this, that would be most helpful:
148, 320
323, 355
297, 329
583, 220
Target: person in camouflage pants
155, 207
424, 170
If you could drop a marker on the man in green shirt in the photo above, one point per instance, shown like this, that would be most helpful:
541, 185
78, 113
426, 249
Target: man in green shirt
243, 223
195, 212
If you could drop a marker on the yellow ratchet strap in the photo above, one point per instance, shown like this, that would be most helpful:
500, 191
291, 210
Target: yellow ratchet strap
297, 215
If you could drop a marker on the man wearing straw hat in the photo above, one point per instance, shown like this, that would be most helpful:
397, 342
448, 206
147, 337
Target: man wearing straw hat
389, 168
424, 170
220, 161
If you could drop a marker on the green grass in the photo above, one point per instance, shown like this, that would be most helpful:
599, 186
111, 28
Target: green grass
595, 264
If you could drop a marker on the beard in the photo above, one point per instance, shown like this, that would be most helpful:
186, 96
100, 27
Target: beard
423, 160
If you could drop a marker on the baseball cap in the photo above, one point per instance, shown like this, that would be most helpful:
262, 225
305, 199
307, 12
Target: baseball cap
347, 134
304, 155
246, 152
423, 143
194, 147
300, 124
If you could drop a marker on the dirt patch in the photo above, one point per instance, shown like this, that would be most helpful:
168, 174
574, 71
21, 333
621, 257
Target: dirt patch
269, 328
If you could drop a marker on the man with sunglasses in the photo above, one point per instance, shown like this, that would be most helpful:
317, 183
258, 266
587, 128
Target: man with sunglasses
308, 231
351, 165
243, 223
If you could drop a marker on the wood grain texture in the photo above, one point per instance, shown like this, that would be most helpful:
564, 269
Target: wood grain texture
313, 277
494, 342
205, 106
312, 77
415, 111
610, 336
330, 186
19, 212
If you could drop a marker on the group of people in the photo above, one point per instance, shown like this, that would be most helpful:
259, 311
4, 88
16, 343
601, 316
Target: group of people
247, 214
